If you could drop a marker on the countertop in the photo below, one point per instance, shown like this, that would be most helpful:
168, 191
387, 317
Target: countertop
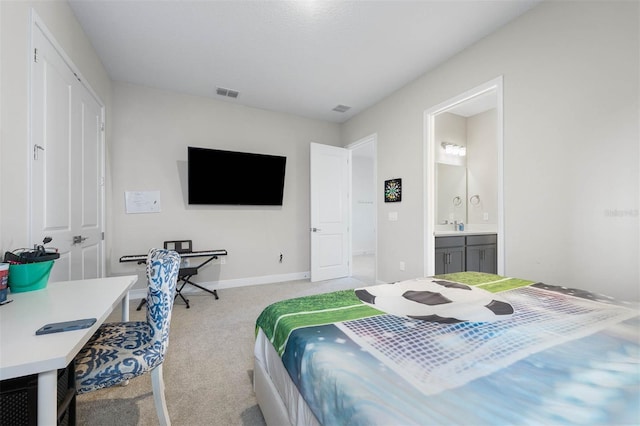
452, 233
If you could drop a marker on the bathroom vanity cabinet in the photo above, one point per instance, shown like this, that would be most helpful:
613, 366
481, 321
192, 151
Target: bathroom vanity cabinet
482, 253
450, 254
466, 253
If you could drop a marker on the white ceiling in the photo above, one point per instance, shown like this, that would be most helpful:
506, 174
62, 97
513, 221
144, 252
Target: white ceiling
298, 57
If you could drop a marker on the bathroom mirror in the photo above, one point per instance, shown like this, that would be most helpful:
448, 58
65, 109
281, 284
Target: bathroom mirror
451, 194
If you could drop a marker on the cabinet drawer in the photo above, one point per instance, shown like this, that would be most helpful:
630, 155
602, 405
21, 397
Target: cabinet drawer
474, 240
444, 242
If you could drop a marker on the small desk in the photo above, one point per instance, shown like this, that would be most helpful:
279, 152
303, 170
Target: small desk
23, 353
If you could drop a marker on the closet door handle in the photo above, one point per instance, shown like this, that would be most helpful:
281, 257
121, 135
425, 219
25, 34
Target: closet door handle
35, 151
79, 239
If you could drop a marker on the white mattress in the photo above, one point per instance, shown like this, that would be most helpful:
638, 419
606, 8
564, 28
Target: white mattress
277, 395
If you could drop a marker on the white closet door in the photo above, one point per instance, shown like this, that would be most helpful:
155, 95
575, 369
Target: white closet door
66, 172
88, 253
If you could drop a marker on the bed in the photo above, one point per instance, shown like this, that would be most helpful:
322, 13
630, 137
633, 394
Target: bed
465, 348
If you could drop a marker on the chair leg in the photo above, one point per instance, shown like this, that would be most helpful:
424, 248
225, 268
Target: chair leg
158, 396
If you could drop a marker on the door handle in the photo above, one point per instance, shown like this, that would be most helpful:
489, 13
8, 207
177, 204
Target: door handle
316, 229
35, 151
78, 239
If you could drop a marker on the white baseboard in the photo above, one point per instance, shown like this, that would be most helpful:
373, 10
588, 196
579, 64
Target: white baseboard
137, 293
141, 293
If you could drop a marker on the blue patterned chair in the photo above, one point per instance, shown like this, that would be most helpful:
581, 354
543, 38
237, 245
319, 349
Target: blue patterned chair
121, 351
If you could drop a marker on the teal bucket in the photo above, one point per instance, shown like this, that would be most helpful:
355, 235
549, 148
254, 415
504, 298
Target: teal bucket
29, 276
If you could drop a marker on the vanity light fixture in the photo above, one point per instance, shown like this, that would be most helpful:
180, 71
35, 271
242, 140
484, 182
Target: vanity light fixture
453, 149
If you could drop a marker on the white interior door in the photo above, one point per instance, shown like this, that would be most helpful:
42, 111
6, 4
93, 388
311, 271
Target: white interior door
67, 164
88, 224
330, 238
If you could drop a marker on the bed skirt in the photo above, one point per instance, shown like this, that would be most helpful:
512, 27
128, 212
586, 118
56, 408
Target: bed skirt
277, 395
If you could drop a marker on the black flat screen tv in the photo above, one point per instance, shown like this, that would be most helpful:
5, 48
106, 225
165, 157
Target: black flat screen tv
235, 178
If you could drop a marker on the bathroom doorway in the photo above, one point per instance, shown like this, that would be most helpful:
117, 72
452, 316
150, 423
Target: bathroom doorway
363, 209
483, 208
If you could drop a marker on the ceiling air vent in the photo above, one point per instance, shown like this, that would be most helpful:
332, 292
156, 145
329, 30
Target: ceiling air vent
341, 108
227, 92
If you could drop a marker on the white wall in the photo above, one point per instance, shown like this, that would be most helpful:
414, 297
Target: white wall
152, 129
570, 146
482, 166
15, 149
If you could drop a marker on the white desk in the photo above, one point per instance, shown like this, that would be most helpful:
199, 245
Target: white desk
23, 353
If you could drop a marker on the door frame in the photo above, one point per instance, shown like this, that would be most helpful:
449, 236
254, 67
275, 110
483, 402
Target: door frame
37, 24
429, 178
373, 140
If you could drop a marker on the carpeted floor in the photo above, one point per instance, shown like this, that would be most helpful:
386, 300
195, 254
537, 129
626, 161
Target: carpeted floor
209, 364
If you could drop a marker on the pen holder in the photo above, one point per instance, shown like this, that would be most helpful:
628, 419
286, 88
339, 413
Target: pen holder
29, 276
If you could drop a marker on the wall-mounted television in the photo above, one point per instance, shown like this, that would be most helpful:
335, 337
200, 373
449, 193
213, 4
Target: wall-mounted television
234, 178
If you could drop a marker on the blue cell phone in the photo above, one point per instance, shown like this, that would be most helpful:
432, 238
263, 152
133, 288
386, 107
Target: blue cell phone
58, 327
